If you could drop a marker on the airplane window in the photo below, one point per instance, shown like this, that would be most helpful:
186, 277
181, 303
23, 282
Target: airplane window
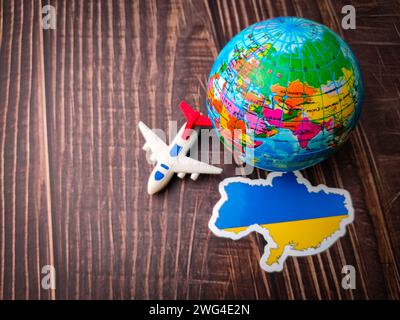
158, 175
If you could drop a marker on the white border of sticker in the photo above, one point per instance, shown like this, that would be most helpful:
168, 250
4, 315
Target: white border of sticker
288, 251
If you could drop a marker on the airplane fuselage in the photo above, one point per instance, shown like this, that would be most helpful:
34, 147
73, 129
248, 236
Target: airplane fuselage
163, 171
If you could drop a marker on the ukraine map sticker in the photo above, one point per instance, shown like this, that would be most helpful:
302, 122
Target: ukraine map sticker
295, 218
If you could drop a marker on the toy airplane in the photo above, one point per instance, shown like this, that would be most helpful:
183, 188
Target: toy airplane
172, 159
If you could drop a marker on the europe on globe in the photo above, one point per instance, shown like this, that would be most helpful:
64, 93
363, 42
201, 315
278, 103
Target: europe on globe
285, 93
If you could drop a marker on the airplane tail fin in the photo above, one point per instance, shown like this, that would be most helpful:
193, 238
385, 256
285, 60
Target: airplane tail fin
193, 119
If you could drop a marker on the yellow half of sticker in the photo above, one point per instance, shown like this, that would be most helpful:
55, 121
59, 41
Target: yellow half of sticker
300, 234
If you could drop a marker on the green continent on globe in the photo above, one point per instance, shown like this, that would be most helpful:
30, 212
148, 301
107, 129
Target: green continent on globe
285, 93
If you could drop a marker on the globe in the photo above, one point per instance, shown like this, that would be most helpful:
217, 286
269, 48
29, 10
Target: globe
285, 93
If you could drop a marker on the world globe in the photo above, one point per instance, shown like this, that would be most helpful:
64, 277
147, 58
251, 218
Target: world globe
285, 93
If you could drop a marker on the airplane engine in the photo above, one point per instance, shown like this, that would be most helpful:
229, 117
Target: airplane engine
194, 176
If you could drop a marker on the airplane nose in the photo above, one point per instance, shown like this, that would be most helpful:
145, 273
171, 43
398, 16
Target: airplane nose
158, 179
151, 189
153, 186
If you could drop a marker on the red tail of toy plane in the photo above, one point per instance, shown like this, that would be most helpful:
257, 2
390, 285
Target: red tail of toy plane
194, 119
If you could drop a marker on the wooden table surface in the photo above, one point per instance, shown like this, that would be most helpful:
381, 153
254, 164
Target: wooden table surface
73, 175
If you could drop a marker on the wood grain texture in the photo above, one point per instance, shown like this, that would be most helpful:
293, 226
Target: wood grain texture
72, 170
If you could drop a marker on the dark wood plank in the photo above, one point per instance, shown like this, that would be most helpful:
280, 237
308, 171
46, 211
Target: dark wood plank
73, 172
25, 206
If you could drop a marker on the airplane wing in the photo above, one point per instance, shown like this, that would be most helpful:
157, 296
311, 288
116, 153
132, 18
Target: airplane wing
153, 141
190, 165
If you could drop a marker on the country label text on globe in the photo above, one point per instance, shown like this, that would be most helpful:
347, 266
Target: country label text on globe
285, 93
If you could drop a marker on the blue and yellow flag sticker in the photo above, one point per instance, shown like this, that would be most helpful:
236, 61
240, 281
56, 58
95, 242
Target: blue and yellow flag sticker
295, 218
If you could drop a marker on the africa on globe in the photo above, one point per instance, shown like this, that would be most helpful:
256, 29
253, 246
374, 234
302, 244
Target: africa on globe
285, 93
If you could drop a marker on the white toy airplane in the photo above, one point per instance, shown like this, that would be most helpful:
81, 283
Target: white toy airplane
172, 159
